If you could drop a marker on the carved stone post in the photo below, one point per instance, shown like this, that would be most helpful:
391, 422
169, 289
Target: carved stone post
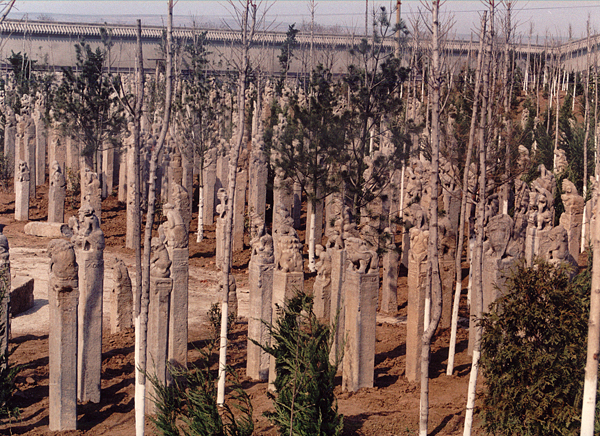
63, 295
417, 273
260, 278
322, 286
22, 182
121, 299
362, 291
56, 194
288, 277
572, 217
89, 247
161, 286
175, 234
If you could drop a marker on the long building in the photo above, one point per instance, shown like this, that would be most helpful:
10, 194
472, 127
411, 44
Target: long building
52, 44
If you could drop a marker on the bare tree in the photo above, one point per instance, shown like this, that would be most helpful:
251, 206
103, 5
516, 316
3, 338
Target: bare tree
477, 298
435, 284
465, 194
246, 11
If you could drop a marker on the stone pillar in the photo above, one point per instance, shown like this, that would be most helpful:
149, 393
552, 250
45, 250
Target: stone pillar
175, 234
56, 194
131, 189
389, 286
89, 247
91, 191
188, 171
285, 286
417, 275
260, 278
209, 177
572, 217
161, 286
22, 182
239, 212
29, 142
40, 151
220, 227
447, 259
10, 138
63, 295
56, 148
322, 286
121, 299
72, 155
360, 321
222, 171
258, 182
337, 302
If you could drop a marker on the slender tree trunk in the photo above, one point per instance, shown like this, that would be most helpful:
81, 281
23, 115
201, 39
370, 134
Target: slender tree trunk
465, 193
152, 203
593, 346
200, 233
586, 116
234, 153
478, 252
435, 284
140, 316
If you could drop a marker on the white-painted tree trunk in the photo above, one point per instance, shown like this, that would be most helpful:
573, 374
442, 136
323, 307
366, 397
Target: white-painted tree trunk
200, 233
593, 346
311, 239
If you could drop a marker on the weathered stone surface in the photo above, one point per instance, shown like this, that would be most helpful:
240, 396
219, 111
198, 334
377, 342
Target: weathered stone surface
89, 248
22, 182
21, 295
91, 191
56, 194
4, 291
161, 286
285, 286
63, 295
239, 204
389, 287
572, 218
121, 299
260, 278
322, 286
417, 272
48, 230
360, 322
337, 302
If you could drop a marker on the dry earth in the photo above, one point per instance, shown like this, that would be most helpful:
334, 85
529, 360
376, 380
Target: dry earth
389, 408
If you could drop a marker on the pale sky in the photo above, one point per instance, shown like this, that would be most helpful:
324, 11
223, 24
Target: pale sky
548, 17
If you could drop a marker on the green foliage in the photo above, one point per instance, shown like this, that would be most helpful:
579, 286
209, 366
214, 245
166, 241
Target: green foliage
86, 104
8, 373
21, 66
6, 170
534, 353
313, 139
304, 399
286, 55
188, 405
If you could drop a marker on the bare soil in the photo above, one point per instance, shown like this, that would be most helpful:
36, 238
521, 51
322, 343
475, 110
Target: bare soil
389, 408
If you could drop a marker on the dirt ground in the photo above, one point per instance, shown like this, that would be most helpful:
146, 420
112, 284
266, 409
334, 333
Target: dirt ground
389, 408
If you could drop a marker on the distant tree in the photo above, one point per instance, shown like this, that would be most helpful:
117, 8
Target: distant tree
374, 100
287, 54
312, 143
85, 104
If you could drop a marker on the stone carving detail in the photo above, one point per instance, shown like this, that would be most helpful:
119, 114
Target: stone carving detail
23, 174
289, 249
262, 242
63, 265
87, 235
159, 262
174, 231
360, 255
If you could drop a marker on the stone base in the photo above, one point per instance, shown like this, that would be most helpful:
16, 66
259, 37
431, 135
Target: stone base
360, 321
21, 296
48, 230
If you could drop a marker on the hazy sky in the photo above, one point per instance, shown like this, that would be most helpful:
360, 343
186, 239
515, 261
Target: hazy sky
548, 16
